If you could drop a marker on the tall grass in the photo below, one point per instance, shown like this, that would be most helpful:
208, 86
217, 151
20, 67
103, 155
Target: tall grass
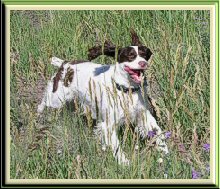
61, 144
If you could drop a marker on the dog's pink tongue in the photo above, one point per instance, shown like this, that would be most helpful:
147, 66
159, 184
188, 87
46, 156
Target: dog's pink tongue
136, 78
135, 75
127, 69
130, 71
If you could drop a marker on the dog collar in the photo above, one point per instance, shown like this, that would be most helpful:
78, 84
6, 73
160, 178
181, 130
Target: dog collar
133, 90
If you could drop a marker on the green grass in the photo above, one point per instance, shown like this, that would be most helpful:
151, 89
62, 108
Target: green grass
61, 144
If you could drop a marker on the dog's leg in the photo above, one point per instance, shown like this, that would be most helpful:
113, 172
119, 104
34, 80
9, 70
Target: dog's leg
118, 153
53, 99
110, 138
41, 106
150, 125
46, 97
50, 99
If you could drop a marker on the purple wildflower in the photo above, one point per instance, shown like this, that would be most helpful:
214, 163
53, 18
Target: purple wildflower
167, 134
195, 174
206, 147
181, 148
207, 168
151, 133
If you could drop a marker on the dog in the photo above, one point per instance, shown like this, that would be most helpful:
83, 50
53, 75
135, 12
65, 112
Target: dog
115, 94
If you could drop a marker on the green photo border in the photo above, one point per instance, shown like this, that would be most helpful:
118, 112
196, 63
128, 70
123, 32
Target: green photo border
214, 3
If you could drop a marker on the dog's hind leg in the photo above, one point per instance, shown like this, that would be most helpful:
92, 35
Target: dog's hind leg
54, 99
41, 106
48, 95
46, 98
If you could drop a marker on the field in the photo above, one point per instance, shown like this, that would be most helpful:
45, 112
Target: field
62, 144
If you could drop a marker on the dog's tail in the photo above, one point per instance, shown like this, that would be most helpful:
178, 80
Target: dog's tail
56, 61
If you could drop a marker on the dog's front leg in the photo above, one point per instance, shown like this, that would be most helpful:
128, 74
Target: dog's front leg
147, 125
110, 138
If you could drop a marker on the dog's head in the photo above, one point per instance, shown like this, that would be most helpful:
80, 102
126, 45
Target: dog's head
133, 60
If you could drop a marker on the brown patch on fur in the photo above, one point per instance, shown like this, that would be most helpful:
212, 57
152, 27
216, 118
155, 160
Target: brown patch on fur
57, 78
68, 77
108, 50
135, 41
77, 61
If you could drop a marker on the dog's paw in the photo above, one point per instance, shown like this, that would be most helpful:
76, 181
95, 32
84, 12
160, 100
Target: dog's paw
40, 109
161, 144
122, 160
126, 162
136, 147
103, 147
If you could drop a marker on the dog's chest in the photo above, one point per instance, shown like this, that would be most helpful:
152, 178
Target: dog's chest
130, 105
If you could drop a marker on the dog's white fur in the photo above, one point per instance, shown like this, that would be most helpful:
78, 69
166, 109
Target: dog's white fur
91, 86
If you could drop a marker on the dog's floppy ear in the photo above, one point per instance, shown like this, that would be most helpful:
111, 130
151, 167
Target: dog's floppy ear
135, 41
108, 50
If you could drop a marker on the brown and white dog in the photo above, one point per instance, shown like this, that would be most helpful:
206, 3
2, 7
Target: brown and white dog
113, 93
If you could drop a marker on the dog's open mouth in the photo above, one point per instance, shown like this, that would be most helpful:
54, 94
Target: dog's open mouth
135, 74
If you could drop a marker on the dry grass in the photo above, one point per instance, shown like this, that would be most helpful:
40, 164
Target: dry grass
62, 144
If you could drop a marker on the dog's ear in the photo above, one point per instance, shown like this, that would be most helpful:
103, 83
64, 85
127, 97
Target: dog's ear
108, 50
135, 41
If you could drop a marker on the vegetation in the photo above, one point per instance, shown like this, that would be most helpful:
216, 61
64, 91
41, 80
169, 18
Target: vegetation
61, 144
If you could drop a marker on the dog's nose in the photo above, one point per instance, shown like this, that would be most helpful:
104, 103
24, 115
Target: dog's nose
142, 63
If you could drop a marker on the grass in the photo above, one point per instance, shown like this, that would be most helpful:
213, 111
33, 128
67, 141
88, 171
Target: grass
62, 145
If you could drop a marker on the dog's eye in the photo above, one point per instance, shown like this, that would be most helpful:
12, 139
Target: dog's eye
131, 55
127, 54
144, 52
